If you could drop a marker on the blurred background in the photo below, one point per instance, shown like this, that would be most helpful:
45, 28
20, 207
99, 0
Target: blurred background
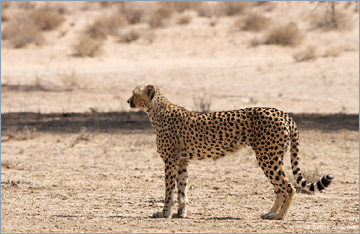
205, 56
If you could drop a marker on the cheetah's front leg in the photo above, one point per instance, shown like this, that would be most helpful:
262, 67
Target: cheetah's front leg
170, 174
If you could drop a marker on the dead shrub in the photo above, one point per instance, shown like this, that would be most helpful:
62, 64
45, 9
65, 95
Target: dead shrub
84, 136
332, 52
27, 5
184, 19
331, 19
22, 32
88, 47
205, 10
69, 80
5, 4
202, 103
230, 8
158, 16
4, 16
252, 22
46, 19
132, 11
288, 35
104, 26
309, 53
26, 133
128, 36
181, 6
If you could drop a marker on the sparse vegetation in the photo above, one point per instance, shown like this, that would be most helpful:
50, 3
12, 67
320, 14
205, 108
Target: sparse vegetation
128, 36
306, 54
331, 19
21, 32
104, 26
46, 19
132, 11
69, 80
88, 47
184, 19
202, 103
230, 8
288, 35
84, 136
158, 15
26, 133
251, 22
332, 52
181, 6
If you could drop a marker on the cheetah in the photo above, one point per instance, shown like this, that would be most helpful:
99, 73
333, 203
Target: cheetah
182, 136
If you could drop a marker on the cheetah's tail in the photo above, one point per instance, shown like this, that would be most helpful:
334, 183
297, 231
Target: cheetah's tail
320, 185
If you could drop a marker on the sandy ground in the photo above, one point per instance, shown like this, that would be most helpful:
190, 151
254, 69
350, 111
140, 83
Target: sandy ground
74, 159
187, 62
110, 179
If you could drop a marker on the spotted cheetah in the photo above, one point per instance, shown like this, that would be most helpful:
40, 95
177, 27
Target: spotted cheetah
183, 136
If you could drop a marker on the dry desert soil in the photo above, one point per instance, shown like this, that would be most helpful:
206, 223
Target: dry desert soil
75, 158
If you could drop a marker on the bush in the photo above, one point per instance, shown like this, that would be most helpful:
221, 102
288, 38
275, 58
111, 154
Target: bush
181, 6
104, 26
305, 54
158, 16
251, 22
88, 47
20, 33
128, 36
288, 35
184, 19
331, 19
230, 8
132, 11
46, 19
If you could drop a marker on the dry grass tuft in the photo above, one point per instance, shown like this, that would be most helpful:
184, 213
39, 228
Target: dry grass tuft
202, 103
46, 19
88, 47
104, 26
309, 53
288, 35
331, 52
26, 133
184, 19
252, 22
128, 36
230, 8
181, 6
132, 11
69, 80
27, 5
331, 19
205, 10
84, 136
158, 16
4, 16
22, 32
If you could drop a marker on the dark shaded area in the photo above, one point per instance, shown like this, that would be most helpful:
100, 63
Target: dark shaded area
112, 122
327, 122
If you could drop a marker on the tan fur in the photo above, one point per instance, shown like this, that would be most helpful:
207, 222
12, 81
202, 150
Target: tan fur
183, 136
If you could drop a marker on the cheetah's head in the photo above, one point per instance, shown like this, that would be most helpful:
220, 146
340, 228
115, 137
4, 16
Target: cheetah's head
142, 96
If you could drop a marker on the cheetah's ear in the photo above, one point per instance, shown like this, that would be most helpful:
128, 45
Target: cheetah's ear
150, 91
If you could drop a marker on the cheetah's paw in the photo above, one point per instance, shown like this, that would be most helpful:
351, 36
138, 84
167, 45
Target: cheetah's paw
272, 216
160, 215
